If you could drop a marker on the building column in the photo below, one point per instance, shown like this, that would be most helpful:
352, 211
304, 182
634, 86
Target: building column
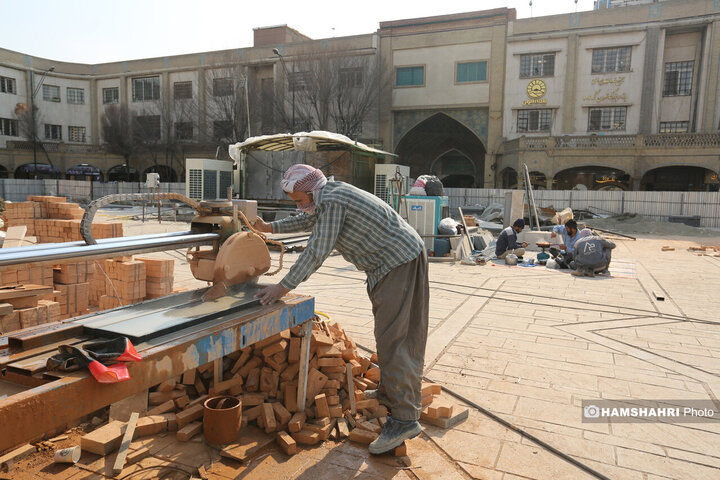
568, 109
650, 71
94, 121
711, 103
202, 114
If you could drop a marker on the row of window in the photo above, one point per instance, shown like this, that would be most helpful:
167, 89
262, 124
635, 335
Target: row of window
150, 125
599, 119
465, 72
678, 75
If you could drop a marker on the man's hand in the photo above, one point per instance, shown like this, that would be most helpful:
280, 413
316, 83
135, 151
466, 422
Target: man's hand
271, 294
524, 244
561, 246
553, 235
262, 226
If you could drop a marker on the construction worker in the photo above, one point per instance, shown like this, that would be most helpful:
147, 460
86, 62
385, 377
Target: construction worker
507, 241
373, 237
592, 254
568, 234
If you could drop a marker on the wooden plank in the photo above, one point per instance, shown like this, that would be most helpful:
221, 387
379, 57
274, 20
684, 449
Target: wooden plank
350, 388
304, 364
125, 445
19, 291
5, 309
14, 236
218, 371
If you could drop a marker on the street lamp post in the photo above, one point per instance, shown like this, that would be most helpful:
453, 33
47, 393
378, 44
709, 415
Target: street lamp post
282, 61
33, 94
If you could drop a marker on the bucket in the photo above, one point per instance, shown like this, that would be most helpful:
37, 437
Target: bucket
222, 416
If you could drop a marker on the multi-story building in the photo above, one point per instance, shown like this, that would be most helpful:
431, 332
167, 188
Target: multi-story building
624, 97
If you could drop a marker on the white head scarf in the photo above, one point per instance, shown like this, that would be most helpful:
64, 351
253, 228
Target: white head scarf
303, 178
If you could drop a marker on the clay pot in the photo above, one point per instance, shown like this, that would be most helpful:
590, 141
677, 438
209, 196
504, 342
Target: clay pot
222, 418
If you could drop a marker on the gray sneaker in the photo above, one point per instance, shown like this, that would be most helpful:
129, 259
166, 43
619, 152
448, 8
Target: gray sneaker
393, 434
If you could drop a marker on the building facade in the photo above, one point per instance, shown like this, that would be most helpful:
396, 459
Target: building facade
623, 97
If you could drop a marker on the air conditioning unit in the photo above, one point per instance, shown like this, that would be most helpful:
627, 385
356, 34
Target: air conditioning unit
207, 179
386, 172
424, 215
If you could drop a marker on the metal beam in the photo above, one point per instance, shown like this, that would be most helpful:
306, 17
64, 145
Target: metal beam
32, 413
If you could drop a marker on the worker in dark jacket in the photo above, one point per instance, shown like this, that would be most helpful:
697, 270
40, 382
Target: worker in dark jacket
507, 241
592, 254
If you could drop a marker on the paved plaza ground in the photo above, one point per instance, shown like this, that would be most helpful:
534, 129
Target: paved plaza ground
528, 345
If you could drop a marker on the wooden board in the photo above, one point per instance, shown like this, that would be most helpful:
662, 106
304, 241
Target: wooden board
125, 445
14, 236
19, 291
249, 441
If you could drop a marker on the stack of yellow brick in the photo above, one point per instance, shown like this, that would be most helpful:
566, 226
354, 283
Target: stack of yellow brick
45, 311
121, 282
22, 276
54, 220
159, 276
21, 213
71, 281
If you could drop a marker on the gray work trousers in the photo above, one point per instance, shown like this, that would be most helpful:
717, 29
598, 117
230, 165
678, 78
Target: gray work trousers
400, 303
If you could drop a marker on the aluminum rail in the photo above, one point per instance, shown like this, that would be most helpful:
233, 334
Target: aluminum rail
49, 246
110, 249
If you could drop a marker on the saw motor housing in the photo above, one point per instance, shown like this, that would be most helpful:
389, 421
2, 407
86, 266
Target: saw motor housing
239, 256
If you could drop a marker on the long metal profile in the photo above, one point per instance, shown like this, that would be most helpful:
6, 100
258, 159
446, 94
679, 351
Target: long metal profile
30, 414
116, 248
51, 246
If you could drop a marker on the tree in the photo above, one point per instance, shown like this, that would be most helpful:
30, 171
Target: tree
29, 122
118, 134
332, 90
228, 95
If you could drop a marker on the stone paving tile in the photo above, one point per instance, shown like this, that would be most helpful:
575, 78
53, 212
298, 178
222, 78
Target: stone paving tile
522, 320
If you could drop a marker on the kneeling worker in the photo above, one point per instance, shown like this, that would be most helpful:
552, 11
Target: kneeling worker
507, 241
373, 237
592, 254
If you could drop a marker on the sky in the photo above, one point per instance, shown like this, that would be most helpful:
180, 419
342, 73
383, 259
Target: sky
99, 31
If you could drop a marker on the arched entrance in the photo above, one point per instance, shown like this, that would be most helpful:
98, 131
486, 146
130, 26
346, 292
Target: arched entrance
84, 171
680, 179
443, 146
592, 178
452, 168
120, 173
167, 174
39, 171
508, 178
4, 172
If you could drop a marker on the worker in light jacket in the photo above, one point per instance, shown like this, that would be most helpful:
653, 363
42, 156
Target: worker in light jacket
507, 241
592, 254
373, 237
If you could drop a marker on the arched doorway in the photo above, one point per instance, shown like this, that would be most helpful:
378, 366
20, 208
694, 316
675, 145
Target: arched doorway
442, 143
592, 178
39, 171
4, 172
453, 169
680, 179
508, 178
167, 174
121, 173
84, 171
538, 180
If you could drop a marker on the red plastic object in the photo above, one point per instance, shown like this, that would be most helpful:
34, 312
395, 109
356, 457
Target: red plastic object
112, 374
130, 354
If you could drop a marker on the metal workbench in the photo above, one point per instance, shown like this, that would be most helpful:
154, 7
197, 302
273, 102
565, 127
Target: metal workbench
57, 400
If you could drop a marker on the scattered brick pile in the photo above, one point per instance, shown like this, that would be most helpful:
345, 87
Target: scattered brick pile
264, 377
54, 219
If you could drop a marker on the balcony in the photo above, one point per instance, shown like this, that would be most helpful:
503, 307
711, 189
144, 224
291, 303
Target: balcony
596, 142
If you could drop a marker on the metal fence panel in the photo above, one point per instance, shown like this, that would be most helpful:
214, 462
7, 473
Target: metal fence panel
654, 205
